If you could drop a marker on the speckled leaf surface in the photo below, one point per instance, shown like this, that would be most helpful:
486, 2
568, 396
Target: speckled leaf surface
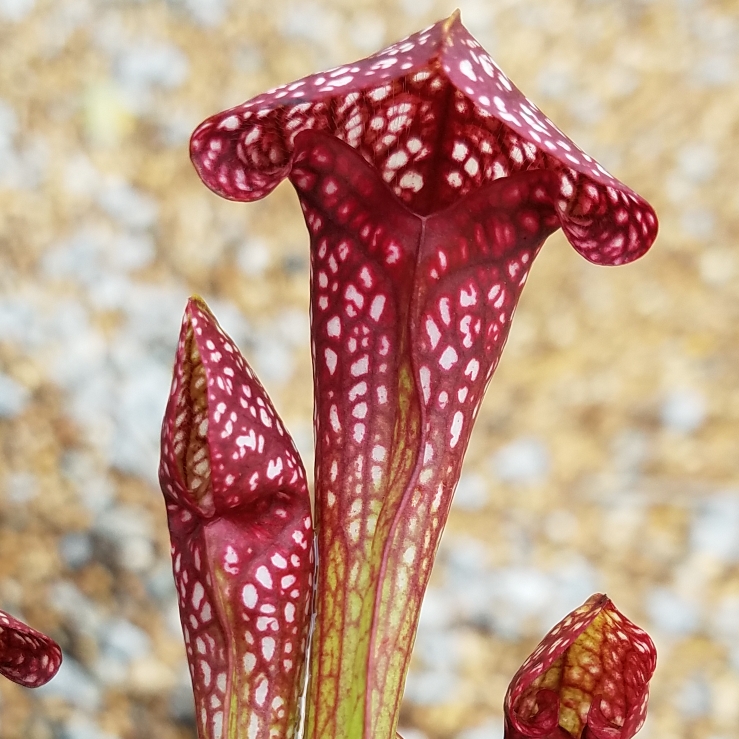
27, 656
239, 517
410, 316
589, 677
436, 118
428, 184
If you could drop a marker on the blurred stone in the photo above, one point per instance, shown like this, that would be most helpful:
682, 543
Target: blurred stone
81, 177
479, 17
698, 223
11, 595
587, 109
431, 688
272, 358
465, 558
694, 698
143, 67
21, 487
715, 70
172, 618
175, 127
95, 490
561, 526
524, 461
302, 434
248, 58
367, 32
517, 595
725, 619
670, 613
472, 492
492, 729
128, 530
129, 252
182, 702
107, 117
99, 261
295, 264
254, 258
150, 676
19, 321
717, 266
311, 21
110, 671
734, 659
23, 159
209, 13
554, 83
573, 582
39, 728
82, 613
160, 582
16, 10
121, 643
8, 117
127, 205
293, 326
725, 707
13, 397
416, 8
75, 549
630, 449
411, 733
697, 162
232, 320
82, 727
137, 415
684, 411
438, 650
124, 639
74, 685
715, 528
437, 610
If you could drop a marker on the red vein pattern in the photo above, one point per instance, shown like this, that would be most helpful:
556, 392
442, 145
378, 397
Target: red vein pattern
428, 183
437, 119
587, 679
409, 317
240, 524
27, 656
359, 307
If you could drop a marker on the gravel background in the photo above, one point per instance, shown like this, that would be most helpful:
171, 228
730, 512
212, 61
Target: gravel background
604, 458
